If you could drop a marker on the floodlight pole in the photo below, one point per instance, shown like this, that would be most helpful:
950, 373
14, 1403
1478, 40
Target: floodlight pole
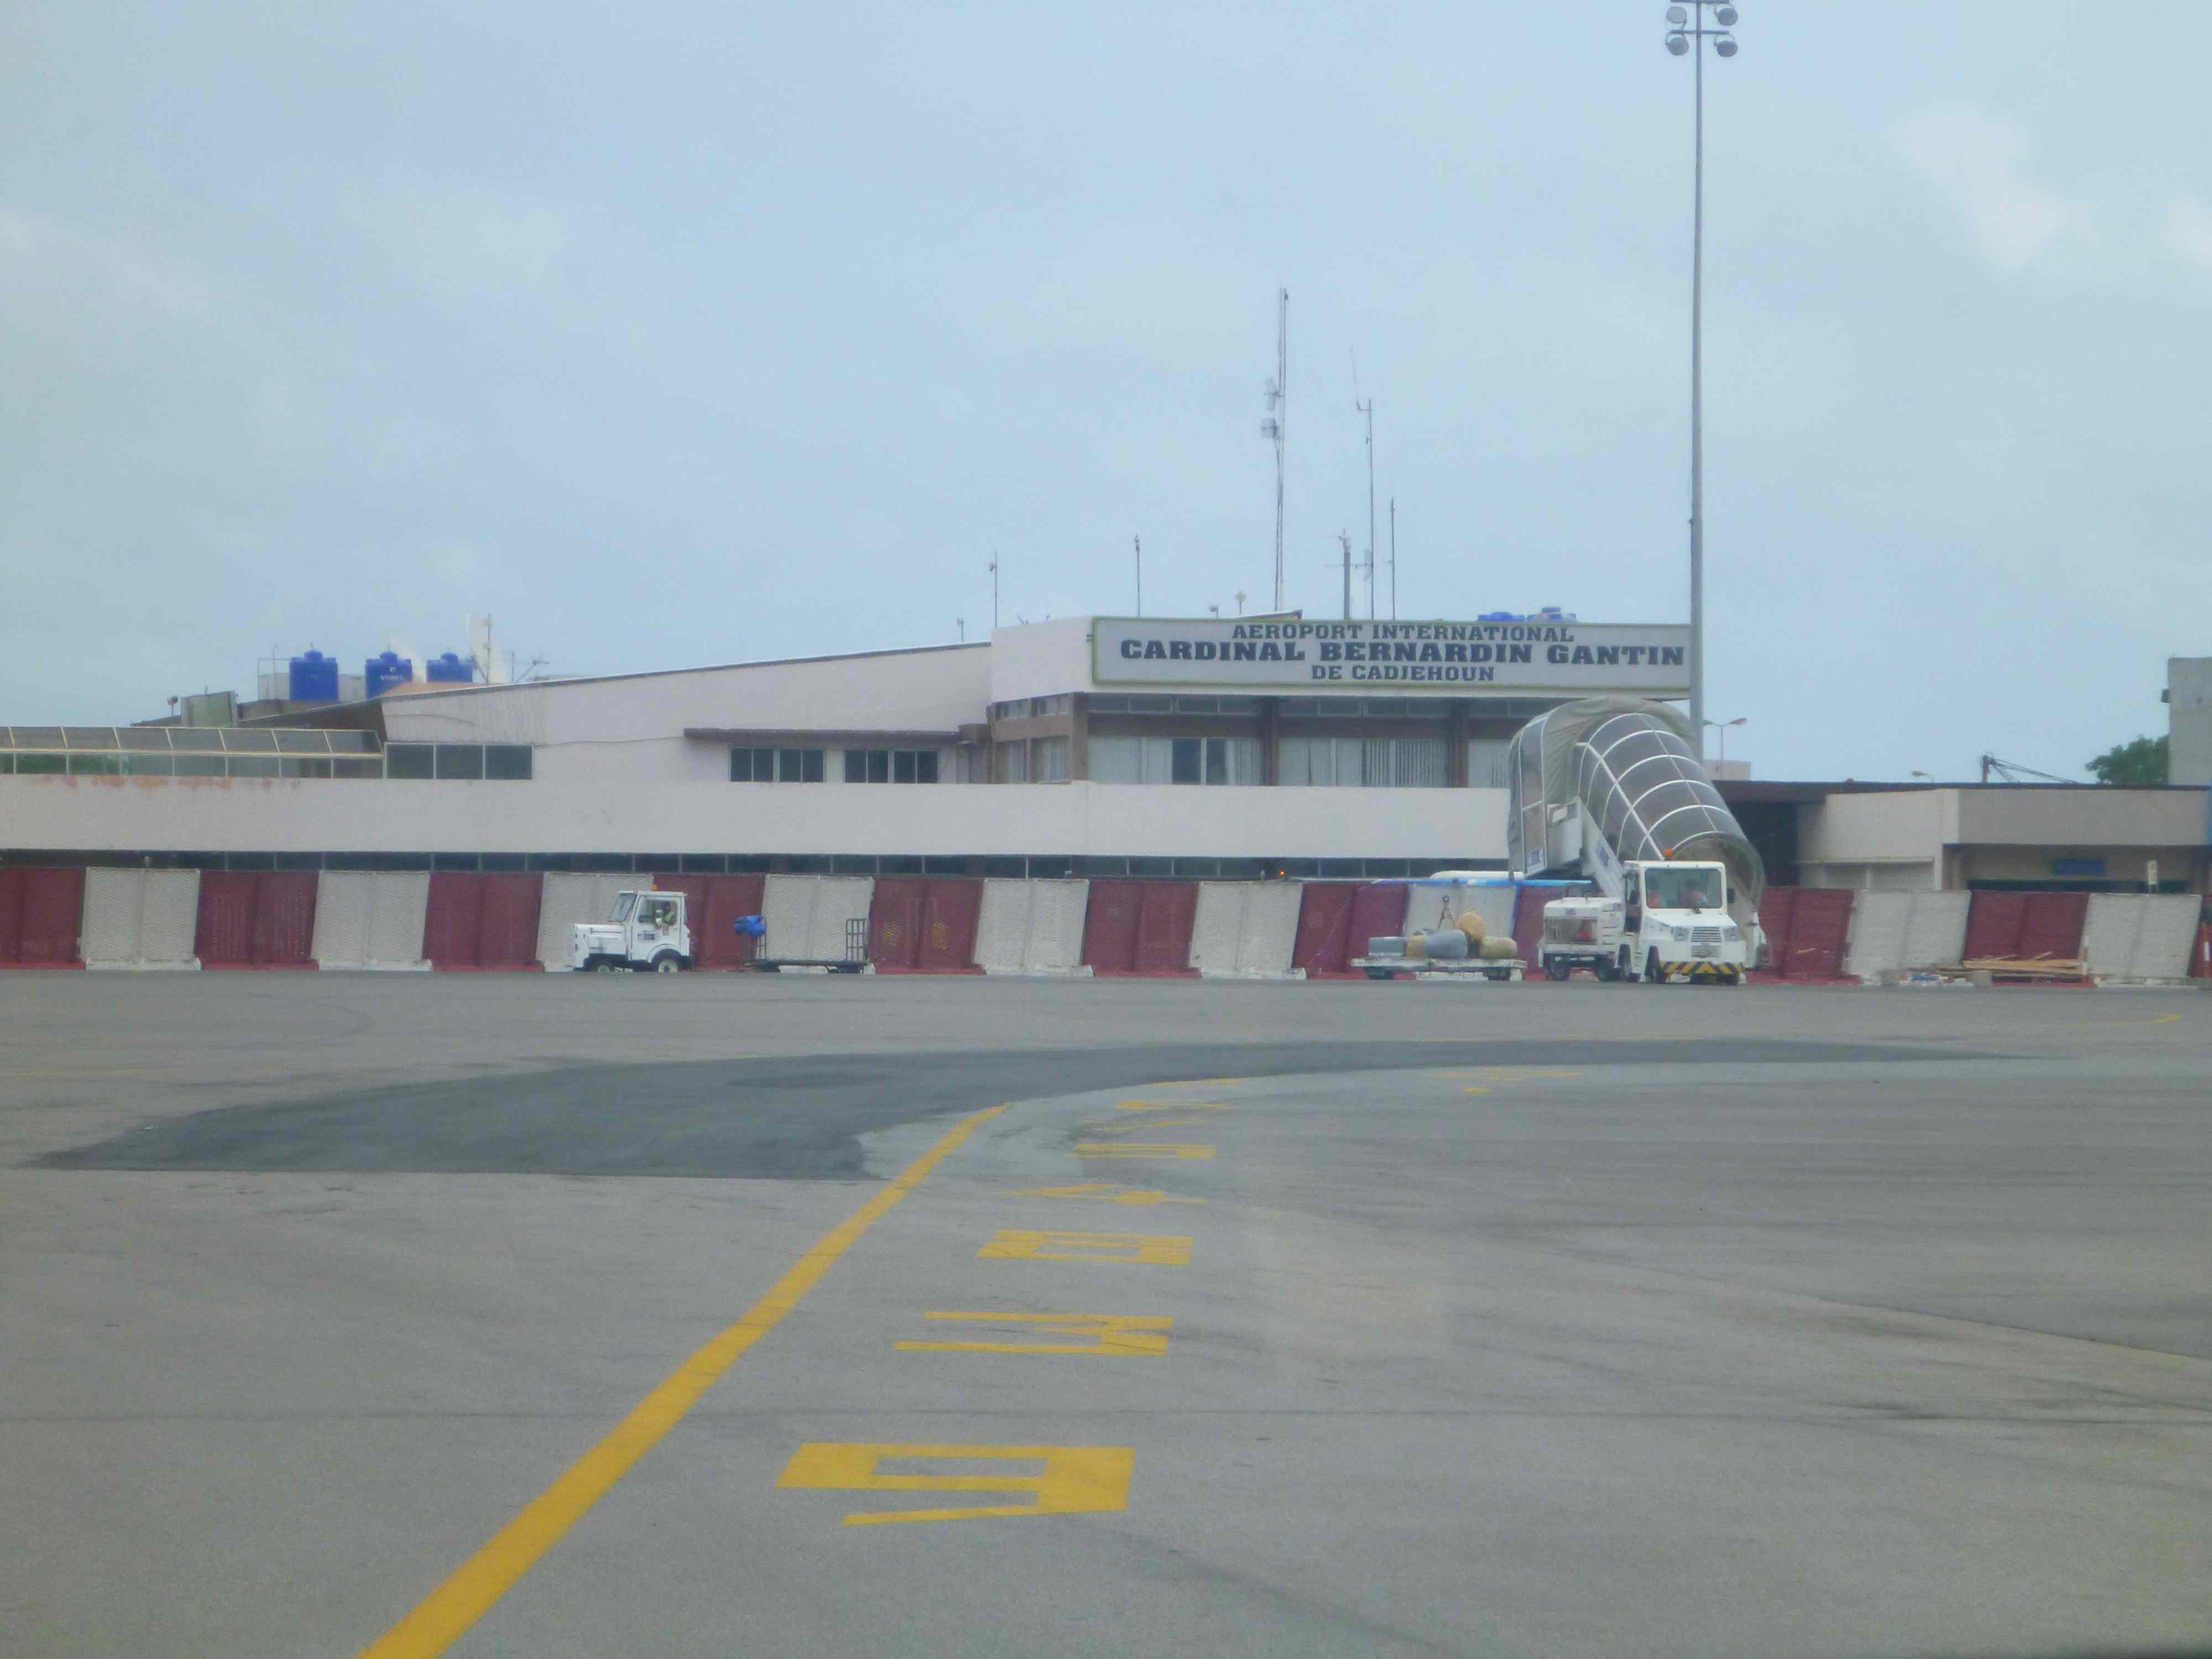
1689, 35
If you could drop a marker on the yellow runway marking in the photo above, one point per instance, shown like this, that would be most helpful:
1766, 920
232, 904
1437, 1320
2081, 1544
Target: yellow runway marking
1139, 1149
1108, 1191
442, 1618
1076, 1480
1171, 1106
1478, 1089
1013, 1244
1143, 1126
1109, 1333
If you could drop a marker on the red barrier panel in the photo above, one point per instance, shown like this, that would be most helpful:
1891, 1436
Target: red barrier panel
1322, 945
924, 925
1140, 926
1163, 927
1819, 930
41, 911
1109, 926
2052, 926
256, 919
713, 905
1994, 921
948, 921
2200, 963
482, 920
895, 923
1378, 911
1778, 907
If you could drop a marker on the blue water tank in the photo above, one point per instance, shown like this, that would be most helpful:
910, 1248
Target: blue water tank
449, 670
1500, 615
314, 679
383, 672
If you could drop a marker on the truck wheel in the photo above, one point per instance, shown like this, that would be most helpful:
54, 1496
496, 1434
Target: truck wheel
1608, 971
1653, 973
1378, 973
1558, 968
668, 962
607, 965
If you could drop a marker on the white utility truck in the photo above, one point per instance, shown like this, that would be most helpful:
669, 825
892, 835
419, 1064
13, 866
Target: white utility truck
1610, 790
648, 933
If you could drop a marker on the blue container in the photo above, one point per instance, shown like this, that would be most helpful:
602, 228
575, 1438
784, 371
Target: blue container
449, 670
1501, 615
381, 672
314, 679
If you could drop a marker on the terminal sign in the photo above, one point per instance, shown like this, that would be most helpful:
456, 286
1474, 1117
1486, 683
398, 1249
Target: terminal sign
1647, 659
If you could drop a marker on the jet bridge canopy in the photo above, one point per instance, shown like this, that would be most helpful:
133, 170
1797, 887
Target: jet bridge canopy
1633, 768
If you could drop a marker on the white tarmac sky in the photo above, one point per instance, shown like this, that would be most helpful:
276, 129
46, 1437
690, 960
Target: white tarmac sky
674, 334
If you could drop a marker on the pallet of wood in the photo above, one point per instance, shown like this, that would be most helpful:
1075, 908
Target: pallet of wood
2032, 970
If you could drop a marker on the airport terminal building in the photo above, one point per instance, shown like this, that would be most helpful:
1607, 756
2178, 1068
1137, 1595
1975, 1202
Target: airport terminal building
1215, 748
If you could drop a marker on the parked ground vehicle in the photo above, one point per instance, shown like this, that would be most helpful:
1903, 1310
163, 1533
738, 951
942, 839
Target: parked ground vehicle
649, 932
1610, 790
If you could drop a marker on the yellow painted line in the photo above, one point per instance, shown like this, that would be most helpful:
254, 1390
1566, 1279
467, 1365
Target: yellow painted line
1123, 1335
1139, 1149
1076, 1479
1014, 1244
1171, 1106
1143, 1126
446, 1614
1478, 1089
1108, 1191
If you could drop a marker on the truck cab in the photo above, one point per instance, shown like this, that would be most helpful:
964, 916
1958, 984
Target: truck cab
1671, 921
647, 933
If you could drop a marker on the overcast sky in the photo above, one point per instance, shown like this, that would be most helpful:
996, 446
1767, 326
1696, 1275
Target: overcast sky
671, 335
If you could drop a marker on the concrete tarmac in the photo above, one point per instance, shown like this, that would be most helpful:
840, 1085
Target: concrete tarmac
1332, 1318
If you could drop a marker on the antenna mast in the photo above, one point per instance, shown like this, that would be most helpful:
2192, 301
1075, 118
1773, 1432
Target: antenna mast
995, 590
1394, 558
1344, 538
1138, 542
1367, 409
1278, 410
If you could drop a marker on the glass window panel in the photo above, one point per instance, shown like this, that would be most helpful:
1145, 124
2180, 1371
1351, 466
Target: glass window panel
1157, 765
1048, 762
352, 743
460, 760
903, 766
89, 737
1116, 760
1216, 760
925, 763
507, 761
1186, 760
30, 763
302, 743
38, 737
1243, 755
245, 740
199, 766
95, 765
252, 766
1150, 705
408, 760
7, 760
200, 738
1240, 705
1489, 763
1417, 763
343, 766
856, 766
304, 766
144, 736
1195, 705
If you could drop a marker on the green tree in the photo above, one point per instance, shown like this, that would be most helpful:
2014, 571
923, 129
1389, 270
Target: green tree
2131, 765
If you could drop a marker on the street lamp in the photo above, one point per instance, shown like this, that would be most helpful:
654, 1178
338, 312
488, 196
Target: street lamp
1686, 28
1722, 726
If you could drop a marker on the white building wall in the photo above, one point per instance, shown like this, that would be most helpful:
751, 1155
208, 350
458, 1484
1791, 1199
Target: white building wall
556, 815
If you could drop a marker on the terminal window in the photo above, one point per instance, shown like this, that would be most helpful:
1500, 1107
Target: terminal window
776, 765
891, 766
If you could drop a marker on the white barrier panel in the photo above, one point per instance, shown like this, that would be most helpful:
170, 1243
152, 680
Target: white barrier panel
1246, 929
141, 918
371, 919
1031, 926
569, 899
805, 916
2140, 935
1906, 931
